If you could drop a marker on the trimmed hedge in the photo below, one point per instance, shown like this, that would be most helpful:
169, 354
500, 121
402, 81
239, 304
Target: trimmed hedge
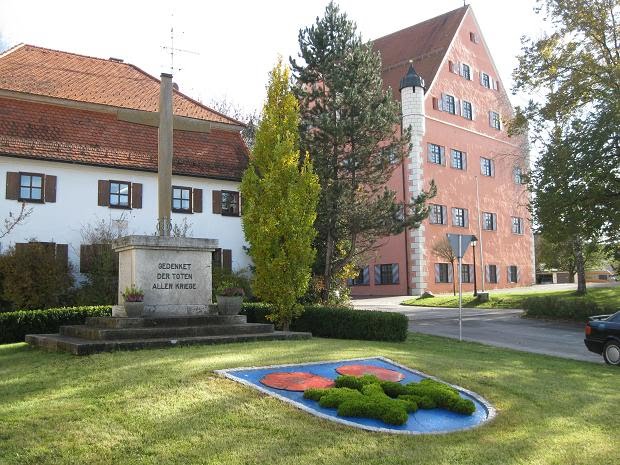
577, 309
15, 325
339, 322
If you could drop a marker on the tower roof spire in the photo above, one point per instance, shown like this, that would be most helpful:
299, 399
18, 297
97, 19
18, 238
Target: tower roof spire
411, 79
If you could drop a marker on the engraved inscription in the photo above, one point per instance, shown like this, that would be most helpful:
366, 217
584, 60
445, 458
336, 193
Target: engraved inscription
174, 276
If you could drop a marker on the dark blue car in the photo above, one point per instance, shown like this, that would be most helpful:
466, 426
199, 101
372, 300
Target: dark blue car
603, 337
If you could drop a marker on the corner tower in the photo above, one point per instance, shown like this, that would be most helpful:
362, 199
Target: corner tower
413, 118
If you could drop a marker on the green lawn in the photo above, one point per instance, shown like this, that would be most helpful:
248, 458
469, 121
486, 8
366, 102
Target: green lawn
606, 296
168, 407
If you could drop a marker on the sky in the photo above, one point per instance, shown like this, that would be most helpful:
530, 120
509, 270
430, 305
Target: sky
231, 46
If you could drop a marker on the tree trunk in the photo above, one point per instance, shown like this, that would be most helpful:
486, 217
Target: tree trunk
327, 273
453, 279
580, 266
286, 325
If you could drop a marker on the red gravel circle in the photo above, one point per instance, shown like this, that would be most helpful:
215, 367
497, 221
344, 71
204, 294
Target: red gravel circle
296, 381
361, 370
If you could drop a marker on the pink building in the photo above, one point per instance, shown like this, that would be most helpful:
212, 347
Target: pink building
457, 107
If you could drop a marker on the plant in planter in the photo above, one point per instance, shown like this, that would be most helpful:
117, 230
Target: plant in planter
229, 298
133, 301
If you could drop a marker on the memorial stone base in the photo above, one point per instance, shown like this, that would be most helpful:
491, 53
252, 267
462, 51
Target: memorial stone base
174, 273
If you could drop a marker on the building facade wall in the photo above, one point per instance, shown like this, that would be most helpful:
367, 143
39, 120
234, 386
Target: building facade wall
76, 207
499, 194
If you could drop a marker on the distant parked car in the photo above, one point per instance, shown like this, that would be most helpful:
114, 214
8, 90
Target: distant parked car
603, 337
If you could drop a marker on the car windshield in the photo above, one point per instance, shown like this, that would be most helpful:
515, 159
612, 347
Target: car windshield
615, 317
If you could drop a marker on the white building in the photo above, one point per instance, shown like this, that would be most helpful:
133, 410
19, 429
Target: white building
78, 144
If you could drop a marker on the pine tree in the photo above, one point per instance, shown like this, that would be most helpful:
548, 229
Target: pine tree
348, 125
280, 195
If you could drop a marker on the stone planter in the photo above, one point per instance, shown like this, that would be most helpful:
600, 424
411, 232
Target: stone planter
228, 305
134, 309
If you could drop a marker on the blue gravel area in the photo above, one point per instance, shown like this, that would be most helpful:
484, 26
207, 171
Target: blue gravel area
422, 421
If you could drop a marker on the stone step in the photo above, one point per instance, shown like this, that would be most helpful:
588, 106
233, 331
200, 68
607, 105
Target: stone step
169, 332
147, 322
80, 346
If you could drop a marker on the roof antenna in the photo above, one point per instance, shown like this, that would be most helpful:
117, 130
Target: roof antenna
171, 49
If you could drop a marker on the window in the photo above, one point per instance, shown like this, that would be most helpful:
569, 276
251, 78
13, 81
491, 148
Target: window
517, 225
466, 71
458, 160
494, 120
386, 274
460, 217
467, 110
119, 194
486, 167
513, 274
485, 80
181, 199
449, 104
443, 273
466, 273
362, 278
474, 37
230, 203
436, 154
517, 175
438, 214
491, 273
30, 187
392, 156
489, 221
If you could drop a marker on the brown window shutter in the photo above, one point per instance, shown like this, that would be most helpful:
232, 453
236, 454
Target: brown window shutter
197, 200
435, 103
86, 257
217, 202
240, 204
50, 188
216, 258
136, 195
62, 254
227, 259
12, 185
104, 193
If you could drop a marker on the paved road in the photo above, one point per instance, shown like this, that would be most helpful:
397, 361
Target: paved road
502, 328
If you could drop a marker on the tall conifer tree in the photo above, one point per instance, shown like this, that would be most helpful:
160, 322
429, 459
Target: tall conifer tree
349, 126
280, 195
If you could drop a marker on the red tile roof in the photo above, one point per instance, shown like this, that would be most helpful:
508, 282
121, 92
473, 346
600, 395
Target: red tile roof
425, 44
55, 133
53, 73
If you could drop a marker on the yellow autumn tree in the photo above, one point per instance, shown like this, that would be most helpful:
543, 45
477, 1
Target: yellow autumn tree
280, 195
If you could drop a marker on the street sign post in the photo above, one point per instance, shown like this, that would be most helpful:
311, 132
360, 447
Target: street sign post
459, 244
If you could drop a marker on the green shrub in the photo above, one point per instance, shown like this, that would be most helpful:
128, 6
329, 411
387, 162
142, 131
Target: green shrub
340, 322
390, 402
575, 309
385, 409
393, 389
441, 395
356, 382
333, 397
36, 275
15, 325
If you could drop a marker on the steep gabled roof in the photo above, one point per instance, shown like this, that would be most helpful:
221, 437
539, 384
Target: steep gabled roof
53, 73
424, 44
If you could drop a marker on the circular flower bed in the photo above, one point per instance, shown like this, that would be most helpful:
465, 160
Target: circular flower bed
360, 370
296, 381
